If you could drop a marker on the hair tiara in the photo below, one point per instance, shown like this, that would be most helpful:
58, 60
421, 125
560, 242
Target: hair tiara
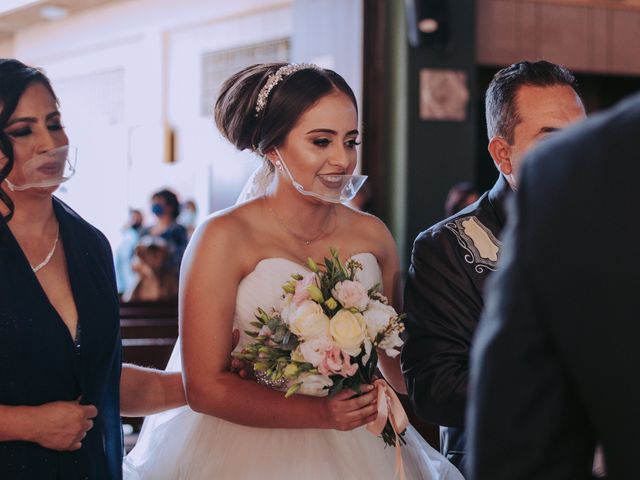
275, 78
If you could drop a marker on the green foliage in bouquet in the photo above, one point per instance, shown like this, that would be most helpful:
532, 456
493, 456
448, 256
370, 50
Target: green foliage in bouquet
270, 354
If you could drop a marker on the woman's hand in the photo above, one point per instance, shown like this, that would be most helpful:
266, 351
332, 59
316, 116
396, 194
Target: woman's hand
240, 367
346, 411
62, 425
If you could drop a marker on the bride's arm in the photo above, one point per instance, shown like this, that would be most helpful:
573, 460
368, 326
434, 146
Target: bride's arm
144, 391
214, 264
390, 265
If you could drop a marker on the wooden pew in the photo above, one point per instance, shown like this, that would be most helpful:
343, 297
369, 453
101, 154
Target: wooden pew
149, 332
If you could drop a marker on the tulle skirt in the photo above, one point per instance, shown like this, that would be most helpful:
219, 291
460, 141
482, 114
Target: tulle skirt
183, 444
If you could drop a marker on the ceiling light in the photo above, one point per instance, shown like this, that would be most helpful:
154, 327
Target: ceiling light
53, 12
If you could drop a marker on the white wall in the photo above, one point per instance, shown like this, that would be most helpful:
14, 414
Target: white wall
336, 41
6, 49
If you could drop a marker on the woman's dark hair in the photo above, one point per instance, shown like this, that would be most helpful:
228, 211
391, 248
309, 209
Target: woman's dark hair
15, 77
170, 199
235, 109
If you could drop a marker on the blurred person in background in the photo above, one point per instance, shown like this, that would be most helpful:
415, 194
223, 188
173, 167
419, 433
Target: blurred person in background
188, 217
166, 207
125, 276
156, 278
461, 195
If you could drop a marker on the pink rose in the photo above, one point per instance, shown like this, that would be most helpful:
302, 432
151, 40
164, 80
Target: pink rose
301, 294
314, 350
337, 362
351, 294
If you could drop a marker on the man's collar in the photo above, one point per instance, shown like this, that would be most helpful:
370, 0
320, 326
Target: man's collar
497, 198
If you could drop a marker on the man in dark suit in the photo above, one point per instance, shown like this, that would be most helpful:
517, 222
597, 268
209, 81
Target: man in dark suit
556, 356
451, 260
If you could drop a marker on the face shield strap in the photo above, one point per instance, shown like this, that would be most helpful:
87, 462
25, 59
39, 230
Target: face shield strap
331, 188
48, 169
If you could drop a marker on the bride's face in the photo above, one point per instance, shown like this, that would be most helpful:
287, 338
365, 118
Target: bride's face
323, 141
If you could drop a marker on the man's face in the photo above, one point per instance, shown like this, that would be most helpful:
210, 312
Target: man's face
542, 112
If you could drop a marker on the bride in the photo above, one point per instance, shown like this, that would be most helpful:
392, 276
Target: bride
303, 120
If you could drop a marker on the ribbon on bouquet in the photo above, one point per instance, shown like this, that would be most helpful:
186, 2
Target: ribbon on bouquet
390, 408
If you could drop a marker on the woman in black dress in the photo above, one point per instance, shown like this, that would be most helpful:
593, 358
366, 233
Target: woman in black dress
61, 388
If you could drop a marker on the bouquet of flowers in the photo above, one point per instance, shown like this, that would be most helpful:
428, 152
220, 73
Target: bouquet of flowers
323, 336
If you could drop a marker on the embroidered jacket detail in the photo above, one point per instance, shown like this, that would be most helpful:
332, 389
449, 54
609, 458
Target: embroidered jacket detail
482, 247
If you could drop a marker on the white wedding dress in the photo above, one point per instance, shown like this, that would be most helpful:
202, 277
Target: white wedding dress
183, 444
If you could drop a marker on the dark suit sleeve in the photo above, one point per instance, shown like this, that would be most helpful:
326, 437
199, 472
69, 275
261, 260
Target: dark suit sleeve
442, 308
524, 419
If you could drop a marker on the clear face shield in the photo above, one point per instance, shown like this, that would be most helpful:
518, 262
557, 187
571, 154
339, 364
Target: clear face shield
328, 187
48, 169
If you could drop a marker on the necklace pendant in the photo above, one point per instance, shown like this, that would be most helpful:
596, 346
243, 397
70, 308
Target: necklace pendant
307, 242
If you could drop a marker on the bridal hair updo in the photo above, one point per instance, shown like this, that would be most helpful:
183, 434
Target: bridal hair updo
15, 77
258, 106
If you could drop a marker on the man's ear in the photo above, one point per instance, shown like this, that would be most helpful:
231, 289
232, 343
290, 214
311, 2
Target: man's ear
500, 151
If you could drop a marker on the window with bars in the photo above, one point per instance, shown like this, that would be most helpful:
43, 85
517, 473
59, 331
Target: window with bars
219, 65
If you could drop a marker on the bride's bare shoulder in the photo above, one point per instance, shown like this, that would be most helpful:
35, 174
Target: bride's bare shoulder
371, 231
229, 227
366, 223
233, 218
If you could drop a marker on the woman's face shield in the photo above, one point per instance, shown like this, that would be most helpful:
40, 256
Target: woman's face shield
48, 169
328, 187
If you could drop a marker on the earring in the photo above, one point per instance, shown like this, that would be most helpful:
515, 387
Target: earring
278, 164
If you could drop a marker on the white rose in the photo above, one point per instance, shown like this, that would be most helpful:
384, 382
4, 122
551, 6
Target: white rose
309, 321
377, 317
389, 343
351, 294
348, 331
314, 384
314, 350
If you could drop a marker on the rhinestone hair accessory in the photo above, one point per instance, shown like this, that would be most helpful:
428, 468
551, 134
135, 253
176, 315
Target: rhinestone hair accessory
275, 78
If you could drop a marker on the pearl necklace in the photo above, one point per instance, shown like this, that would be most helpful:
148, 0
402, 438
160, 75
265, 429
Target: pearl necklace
47, 259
